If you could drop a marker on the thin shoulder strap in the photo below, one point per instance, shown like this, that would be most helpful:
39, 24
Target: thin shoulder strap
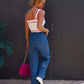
37, 13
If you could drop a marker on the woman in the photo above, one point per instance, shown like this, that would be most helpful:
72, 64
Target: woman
37, 41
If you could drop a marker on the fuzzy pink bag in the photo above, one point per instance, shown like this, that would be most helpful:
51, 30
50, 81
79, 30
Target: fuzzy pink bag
24, 69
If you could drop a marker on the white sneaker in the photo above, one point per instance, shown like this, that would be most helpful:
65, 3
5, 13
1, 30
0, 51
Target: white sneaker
39, 80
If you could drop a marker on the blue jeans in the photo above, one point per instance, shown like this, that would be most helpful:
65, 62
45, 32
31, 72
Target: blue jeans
38, 43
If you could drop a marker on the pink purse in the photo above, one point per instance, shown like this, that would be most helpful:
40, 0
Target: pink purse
24, 69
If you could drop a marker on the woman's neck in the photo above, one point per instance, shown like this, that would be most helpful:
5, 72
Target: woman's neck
35, 6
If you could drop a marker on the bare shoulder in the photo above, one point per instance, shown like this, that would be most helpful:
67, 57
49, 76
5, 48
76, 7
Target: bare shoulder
42, 12
27, 11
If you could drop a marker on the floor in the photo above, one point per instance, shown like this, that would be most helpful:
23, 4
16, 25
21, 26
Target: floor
18, 81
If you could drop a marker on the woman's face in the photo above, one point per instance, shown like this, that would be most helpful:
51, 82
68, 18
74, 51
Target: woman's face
42, 4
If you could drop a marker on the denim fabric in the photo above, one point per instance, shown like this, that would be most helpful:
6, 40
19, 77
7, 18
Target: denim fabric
38, 43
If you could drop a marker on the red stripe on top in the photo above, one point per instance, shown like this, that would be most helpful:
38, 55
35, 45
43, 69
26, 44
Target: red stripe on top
31, 19
32, 22
35, 30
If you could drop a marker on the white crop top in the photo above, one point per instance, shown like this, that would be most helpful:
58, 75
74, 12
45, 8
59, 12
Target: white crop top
33, 23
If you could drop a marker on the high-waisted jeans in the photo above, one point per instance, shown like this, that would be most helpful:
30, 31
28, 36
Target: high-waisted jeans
38, 43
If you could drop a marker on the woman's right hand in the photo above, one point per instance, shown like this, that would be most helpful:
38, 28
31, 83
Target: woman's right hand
47, 32
27, 46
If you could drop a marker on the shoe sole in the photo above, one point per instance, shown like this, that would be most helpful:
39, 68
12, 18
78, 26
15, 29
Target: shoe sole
38, 81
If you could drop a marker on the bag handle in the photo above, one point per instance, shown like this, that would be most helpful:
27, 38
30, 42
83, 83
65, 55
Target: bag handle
25, 56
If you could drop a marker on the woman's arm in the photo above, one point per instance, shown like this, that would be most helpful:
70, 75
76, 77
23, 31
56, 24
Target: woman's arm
26, 30
41, 15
